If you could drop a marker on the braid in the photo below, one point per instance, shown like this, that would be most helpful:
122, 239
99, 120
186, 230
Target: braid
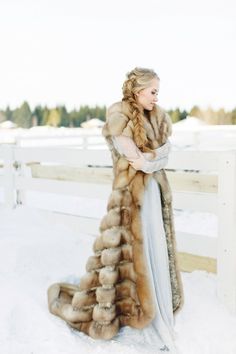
136, 79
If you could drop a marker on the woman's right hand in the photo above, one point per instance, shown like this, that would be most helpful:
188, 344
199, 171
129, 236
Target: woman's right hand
137, 163
149, 155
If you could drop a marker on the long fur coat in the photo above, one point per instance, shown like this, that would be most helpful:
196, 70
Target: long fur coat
115, 290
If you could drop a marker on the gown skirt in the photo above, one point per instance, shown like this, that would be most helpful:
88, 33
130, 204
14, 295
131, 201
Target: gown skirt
159, 335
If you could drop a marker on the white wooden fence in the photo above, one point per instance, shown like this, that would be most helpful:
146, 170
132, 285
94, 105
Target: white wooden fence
207, 137
83, 139
201, 181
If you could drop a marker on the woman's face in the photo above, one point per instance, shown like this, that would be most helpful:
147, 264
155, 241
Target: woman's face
148, 97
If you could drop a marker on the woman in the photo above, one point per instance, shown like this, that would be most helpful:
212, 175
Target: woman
133, 282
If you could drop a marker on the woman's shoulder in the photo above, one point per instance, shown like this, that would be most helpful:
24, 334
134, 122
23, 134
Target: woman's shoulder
119, 107
117, 118
116, 113
115, 106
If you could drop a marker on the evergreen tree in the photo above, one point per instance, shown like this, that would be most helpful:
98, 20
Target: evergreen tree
73, 118
45, 116
39, 112
59, 116
210, 116
183, 114
175, 115
54, 118
196, 112
233, 116
8, 113
22, 116
2, 116
64, 116
223, 118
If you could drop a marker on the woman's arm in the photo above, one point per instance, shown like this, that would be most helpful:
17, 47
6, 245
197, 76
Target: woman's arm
137, 159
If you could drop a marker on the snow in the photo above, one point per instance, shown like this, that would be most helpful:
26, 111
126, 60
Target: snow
36, 251
190, 133
189, 122
7, 124
93, 123
206, 223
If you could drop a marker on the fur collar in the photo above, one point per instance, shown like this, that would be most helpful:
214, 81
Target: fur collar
119, 121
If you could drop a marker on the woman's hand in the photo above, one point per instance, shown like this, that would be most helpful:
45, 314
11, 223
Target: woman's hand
149, 155
137, 163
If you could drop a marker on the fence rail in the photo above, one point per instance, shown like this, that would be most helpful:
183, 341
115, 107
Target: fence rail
202, 181
206, 137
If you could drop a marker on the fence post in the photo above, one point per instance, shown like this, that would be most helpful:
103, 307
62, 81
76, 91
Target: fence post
85, 142
8, 173
22, 171
226, 258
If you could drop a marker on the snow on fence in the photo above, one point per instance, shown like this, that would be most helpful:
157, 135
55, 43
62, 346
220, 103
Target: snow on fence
204, 137
203, 181
82, 138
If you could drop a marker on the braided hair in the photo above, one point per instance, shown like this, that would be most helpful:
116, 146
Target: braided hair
137, 79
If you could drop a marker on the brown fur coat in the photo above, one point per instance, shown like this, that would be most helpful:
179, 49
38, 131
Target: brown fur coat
116, 289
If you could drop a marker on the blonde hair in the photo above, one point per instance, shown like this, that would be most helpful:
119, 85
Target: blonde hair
137, 79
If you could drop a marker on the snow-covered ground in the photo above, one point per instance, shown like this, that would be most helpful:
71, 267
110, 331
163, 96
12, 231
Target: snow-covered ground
36, 251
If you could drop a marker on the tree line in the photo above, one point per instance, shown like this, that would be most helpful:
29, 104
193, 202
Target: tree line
59, 116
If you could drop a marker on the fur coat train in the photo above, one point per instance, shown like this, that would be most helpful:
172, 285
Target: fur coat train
115, 290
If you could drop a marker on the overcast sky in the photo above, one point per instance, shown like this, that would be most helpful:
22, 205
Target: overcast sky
77, 52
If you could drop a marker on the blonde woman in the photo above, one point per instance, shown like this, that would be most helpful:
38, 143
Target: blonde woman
132, 287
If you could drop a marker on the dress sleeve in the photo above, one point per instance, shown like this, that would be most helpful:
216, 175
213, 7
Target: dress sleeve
126, 147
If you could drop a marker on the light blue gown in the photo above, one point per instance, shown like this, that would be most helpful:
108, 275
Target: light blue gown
160, 334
